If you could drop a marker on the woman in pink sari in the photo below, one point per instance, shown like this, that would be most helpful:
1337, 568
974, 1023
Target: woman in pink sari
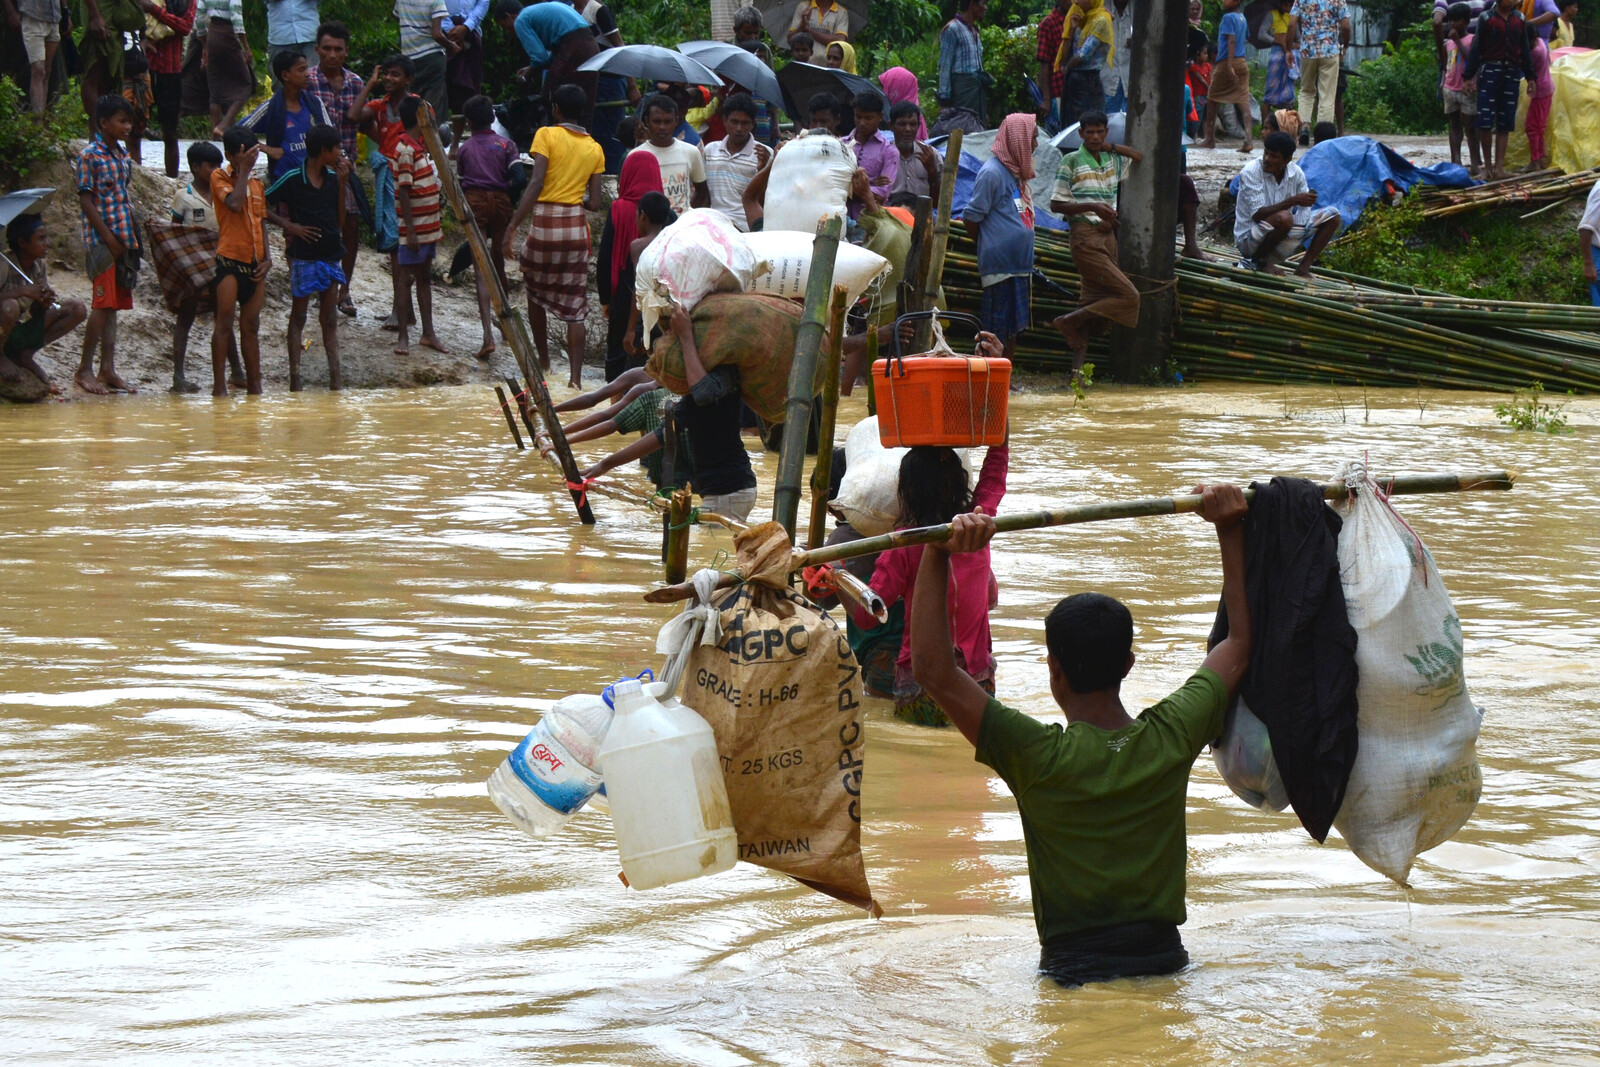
900, 85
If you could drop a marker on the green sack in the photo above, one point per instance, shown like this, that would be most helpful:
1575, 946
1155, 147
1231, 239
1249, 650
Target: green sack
752, 331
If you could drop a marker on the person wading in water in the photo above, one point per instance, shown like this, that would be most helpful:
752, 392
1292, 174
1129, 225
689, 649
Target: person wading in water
1102, 800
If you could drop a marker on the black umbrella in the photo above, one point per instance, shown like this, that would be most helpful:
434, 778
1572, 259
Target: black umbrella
801, 81
653, 63
736, 65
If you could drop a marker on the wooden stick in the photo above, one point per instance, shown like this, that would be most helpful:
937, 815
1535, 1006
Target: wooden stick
678, 525
505, 406
940, 242
511, 321
525, 409
1131, 509
822, 472
1393, 485
803, 373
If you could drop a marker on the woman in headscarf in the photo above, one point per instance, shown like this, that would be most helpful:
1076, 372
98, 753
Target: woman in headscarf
641, 174
1087, 50
999, 218
900, 86
842, 56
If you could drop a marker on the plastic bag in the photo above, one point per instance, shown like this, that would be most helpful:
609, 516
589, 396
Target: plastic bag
699, 254
869, 492
1243, 755
783, 265
1416, 777
781, 690
810, 180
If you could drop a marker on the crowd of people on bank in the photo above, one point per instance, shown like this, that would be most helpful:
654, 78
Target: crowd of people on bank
693, 146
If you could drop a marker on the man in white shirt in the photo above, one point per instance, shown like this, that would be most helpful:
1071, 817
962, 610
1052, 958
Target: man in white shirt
734, 160
1589, 244
683, 170
1276, 209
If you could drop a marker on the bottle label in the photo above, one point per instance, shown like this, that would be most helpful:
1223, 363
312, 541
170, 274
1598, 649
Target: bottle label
544, 765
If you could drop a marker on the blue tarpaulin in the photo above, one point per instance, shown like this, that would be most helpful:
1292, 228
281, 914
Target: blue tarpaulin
1346, 172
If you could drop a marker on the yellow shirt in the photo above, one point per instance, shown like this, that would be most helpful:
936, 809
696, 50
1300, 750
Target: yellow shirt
574, 158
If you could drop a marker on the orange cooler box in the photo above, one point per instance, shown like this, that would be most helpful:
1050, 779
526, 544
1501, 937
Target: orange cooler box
958, 401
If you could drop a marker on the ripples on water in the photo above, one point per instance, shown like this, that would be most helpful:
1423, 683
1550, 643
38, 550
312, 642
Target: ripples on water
259, 657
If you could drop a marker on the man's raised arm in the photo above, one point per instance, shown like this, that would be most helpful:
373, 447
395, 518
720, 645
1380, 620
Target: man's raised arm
1224, 506
933, 657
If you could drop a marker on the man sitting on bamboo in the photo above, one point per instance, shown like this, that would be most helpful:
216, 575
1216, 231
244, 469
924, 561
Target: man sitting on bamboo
1277, 210
1102, 800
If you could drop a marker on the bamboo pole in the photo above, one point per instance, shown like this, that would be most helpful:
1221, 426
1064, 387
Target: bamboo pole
505, 406
512, 325
1392, 485
1132, 509
910, 295
803, 373
822, 472
934, 271
676, 567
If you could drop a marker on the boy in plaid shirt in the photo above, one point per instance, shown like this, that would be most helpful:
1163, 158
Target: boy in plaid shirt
104, 169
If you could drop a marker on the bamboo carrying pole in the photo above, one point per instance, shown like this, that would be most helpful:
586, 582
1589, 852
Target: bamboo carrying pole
822, 473
505, 406
678, 525
938, 245
512, 324
1392, 485
803, 373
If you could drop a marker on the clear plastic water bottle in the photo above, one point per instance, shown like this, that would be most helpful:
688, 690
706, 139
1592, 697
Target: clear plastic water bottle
554, 771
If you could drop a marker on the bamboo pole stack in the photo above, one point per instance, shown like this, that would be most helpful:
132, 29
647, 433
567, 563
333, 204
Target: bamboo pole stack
1543, 187
1336, 329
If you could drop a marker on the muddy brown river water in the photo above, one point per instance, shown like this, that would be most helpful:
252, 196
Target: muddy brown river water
257, 658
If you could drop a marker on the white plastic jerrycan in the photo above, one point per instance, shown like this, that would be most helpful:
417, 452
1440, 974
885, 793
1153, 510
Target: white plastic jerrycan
669, 806
553, 772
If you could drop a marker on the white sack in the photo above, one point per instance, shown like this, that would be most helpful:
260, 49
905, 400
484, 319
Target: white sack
699, 254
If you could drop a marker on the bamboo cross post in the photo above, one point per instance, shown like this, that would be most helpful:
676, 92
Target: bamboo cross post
512, 324
822, 473
505, 406
1392, 485
524, 408
678, 525
940, 243
803, 372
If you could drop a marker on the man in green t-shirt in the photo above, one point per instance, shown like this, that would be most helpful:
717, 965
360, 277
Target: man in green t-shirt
1102, 801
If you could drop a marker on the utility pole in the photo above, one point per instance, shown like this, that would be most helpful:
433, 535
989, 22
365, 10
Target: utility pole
1149, 210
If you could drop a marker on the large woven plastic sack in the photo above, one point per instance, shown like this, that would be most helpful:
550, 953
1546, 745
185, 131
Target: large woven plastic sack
752, 331
698, 255
783, 264
781, 690
1243, 755
869, 492
810, 181
1416, 778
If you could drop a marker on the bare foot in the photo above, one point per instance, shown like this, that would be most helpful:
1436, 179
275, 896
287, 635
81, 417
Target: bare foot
1209, 142
1193, 252
428, 340
184, 385
487, 350
219, 390
90, 384
1273, 269
238, 381
115, 382
402, 349
1304, 270
1074, 336
1247, 148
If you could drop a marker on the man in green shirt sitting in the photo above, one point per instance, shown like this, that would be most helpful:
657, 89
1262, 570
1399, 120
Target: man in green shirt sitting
1102, 800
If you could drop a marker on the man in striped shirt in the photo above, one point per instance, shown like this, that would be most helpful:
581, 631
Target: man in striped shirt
1086, 195
734, 160
416, 196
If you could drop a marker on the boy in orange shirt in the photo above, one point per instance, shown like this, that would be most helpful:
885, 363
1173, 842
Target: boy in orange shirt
243, 258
